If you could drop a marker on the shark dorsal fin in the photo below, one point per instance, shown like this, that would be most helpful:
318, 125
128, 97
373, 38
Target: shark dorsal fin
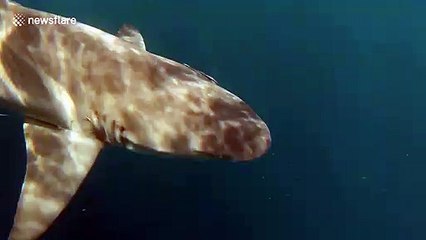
130, 34
57, 162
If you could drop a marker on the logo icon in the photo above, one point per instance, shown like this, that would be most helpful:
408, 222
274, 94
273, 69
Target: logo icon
18, 20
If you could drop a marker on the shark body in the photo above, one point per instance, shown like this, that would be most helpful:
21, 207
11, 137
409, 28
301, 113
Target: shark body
81, 88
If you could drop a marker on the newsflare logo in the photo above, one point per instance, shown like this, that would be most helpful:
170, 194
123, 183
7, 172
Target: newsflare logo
20, 20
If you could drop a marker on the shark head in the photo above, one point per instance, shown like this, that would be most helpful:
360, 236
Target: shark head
171, 108
188, 114
152, 103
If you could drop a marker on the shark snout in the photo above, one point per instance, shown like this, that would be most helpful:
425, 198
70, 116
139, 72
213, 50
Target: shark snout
249, 140
241, 135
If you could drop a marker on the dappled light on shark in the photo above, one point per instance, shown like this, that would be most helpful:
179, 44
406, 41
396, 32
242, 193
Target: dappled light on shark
81, 89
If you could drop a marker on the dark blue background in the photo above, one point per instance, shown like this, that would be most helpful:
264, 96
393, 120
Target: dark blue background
341, 85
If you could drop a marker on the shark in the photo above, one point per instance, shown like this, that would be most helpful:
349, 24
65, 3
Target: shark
82, 89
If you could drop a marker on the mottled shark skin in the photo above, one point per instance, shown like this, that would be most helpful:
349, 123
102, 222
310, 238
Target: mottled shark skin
81, 89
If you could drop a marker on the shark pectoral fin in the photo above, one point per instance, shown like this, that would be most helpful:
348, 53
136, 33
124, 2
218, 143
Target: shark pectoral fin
131, 34
57, 162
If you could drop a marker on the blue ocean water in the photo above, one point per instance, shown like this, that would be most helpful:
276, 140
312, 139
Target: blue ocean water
338, 82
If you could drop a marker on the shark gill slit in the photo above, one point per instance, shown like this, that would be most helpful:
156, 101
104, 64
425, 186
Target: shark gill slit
111, 133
